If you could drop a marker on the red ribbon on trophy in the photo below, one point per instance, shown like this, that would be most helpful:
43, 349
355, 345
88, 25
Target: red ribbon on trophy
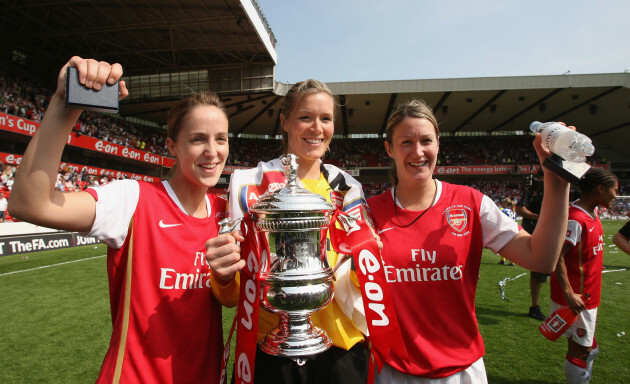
254, 249
358, 240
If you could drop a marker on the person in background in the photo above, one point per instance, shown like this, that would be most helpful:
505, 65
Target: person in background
622, 237
433, 234
577, 280
528, 207
307, 121
507, 207
165, 329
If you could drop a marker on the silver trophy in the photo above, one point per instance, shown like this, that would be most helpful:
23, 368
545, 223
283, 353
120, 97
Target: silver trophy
296, 280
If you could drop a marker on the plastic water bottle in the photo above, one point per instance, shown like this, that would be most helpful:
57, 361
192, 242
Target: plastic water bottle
564, 142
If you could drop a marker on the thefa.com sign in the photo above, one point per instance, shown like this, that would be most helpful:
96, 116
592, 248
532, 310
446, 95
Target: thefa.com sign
13, 245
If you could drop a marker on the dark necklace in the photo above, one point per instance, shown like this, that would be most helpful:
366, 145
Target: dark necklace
417, 218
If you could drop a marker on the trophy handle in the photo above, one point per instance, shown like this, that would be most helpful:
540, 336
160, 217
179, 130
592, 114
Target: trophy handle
226, 226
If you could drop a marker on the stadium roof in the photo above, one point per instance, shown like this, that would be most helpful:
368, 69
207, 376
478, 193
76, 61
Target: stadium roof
146, 36
598, 105
172, 47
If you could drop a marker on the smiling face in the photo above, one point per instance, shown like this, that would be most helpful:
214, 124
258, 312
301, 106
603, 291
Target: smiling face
310, 126
414, 147
201, 147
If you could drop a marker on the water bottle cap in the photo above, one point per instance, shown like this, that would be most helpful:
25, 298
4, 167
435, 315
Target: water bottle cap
589, 150
586, 146
534, 126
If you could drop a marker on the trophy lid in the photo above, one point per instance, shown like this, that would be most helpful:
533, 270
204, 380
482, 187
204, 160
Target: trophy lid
292, 197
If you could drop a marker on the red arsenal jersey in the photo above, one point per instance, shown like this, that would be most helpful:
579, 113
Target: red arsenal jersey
432, 267
584, 261
166, 322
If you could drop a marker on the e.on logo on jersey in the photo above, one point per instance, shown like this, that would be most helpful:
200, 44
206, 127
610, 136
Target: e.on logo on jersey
457, 218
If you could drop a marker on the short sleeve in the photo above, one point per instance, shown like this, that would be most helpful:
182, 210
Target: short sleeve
116, 203
574, 232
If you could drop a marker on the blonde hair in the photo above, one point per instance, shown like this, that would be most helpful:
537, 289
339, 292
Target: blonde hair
416, 108
293, 98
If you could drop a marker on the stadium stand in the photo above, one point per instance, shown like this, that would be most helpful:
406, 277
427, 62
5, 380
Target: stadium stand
481, 120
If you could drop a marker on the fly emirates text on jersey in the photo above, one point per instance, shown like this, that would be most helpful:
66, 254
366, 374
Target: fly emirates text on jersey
423, 273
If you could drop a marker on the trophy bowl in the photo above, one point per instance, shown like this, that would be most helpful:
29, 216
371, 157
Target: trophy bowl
296, 280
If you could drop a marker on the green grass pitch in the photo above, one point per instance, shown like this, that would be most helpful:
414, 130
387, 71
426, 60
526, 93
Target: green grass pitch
55, 322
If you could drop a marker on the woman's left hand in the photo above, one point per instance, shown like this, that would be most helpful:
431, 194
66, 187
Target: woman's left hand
544, 153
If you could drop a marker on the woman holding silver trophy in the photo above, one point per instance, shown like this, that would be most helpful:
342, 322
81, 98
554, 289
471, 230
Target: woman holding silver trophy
307, 121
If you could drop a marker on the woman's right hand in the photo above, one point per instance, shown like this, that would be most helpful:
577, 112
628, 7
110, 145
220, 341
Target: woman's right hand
223, 254
575, 302
93, 75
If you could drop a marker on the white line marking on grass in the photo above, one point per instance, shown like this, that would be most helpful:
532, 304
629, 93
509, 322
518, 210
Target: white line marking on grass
613, 270
51, 265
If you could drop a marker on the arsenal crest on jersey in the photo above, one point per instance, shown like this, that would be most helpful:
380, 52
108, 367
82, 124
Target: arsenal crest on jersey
457, 218
581, 332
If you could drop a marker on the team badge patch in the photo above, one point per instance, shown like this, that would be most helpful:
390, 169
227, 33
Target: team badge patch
581, 332
457, 218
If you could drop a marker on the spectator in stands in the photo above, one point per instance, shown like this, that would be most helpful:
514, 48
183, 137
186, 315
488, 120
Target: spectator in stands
307, 121
162, 331
434, 232
3, 207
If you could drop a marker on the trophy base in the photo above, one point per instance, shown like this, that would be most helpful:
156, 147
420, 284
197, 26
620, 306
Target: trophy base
297, 344
571, 172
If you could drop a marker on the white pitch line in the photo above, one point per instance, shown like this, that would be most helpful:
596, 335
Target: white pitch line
48, 266
613, 270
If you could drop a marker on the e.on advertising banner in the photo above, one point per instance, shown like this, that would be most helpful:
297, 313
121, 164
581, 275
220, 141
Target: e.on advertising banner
13, 159
27, 127
484, 169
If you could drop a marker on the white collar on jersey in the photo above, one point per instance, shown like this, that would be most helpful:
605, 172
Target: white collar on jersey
574, 204
173, 197
438, 192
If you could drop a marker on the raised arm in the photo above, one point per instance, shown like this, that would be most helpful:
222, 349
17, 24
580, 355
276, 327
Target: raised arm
33, 197
540, 251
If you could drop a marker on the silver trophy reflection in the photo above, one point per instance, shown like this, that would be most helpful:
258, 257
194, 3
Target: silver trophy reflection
296, 281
